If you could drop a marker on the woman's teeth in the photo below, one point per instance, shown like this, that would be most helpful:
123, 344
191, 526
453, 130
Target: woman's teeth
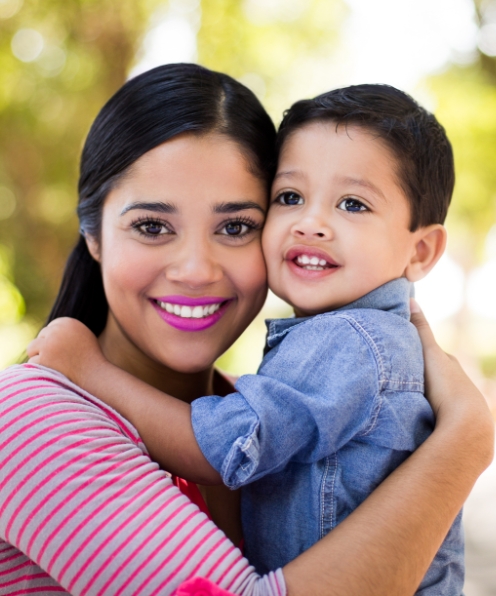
311, 263
189, 312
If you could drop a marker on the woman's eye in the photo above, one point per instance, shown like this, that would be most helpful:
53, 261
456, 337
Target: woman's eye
235, 228
289, 198
352, 206
152, 228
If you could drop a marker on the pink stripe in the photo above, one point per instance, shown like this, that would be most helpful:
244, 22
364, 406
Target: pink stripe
53, 474
66, 519
23, 415
186, 559
94, 512
218, 561
24, 578
150, 537
161, 546
22, 381
16, 555
12, 569
56, 490
116, 531
122, 547
126, 430
234, 580
40, 449
41, 590
18, 404
40, 467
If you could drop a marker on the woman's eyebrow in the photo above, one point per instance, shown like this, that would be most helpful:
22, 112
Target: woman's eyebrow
234, 206
158, 207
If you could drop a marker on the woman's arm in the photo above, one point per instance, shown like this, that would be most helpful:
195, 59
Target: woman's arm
80, 498
387, 544
68, 346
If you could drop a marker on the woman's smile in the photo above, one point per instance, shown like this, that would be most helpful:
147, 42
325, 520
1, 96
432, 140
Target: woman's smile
191, 314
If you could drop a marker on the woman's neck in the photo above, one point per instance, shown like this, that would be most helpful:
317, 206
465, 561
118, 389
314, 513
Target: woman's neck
184, 386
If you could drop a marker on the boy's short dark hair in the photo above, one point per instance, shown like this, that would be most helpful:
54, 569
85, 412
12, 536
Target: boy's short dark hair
424, 154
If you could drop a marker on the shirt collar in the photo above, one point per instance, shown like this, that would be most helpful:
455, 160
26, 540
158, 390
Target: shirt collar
392, 297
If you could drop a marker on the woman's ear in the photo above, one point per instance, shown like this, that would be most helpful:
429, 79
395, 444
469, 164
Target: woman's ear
429, 245
93, 247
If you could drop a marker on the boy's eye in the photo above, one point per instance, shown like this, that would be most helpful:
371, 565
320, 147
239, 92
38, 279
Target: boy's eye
289, 198
352, 206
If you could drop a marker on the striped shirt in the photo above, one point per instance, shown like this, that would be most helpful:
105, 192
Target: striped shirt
85, 511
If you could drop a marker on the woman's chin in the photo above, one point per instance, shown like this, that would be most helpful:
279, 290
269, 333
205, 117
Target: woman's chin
189, 363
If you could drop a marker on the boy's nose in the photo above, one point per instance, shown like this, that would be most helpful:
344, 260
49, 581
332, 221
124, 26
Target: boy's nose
312, 227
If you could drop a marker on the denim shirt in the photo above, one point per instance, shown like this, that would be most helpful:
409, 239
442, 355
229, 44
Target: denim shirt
336, 406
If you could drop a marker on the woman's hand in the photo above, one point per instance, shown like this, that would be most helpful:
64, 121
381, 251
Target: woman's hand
451, 393
68, 346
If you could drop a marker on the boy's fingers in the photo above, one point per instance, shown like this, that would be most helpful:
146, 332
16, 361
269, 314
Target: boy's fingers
32, 348
417, 317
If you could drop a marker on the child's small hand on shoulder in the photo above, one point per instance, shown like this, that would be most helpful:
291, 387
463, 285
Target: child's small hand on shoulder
68, 346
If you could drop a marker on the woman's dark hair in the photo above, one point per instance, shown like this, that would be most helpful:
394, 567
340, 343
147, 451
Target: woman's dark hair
423, 152
147, 111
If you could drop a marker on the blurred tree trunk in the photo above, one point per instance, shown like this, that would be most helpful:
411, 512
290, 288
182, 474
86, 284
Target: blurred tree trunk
47, 104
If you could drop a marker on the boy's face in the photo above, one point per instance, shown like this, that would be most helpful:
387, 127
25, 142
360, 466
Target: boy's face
337, 226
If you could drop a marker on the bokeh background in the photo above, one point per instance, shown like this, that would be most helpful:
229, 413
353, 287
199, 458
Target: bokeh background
60, 60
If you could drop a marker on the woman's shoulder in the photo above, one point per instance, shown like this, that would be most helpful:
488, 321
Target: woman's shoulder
23, 379
35, 389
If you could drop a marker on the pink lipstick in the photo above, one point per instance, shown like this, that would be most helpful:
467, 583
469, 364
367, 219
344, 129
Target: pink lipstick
191, 314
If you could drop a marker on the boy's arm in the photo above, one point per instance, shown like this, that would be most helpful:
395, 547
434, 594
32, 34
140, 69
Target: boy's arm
386, 545
308, 400
163, 422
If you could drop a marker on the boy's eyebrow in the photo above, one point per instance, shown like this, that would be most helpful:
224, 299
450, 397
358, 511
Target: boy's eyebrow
234, 206
290, 174
365, 184
157, 207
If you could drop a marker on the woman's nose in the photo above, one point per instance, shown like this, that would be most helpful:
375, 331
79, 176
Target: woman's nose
194, 265
313, 226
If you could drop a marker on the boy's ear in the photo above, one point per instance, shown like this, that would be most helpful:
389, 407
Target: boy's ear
429, 245
93, 247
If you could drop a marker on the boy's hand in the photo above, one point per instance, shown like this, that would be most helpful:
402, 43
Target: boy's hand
68, 346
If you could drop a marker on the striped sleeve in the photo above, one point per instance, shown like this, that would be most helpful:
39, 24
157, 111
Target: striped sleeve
84, 510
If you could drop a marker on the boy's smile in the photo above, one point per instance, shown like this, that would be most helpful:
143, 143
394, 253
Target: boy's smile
338, 223
310, 262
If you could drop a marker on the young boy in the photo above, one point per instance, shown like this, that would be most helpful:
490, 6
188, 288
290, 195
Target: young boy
364, 180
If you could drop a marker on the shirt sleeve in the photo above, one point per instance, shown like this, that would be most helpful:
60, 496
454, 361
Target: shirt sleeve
317, 392
81, 498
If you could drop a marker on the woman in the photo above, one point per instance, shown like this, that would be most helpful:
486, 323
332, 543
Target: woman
173, 186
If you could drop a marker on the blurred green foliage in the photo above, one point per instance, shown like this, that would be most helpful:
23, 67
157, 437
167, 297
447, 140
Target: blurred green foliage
466, 105
60, 60
465, 99
275, 47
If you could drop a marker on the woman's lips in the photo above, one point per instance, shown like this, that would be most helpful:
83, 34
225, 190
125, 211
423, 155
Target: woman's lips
191, 314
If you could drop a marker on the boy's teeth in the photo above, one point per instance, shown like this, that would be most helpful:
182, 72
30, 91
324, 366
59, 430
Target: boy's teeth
188, 312
312, 263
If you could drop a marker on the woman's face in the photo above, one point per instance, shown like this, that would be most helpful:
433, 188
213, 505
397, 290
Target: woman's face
180, 254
